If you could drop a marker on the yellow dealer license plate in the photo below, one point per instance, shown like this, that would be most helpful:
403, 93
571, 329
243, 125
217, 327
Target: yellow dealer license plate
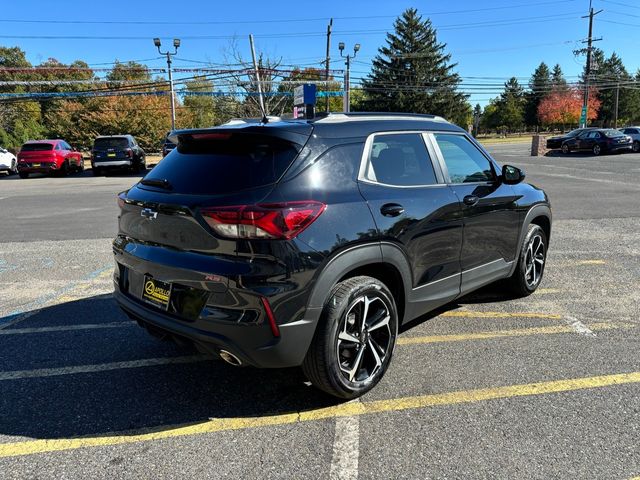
156, 292
111, 154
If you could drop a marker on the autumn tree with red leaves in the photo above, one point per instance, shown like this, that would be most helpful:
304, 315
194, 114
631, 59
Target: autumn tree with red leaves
562, 107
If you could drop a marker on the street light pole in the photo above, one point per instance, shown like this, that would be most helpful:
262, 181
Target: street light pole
346, 99
176, 44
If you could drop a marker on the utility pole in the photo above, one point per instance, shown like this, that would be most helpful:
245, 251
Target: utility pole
589, 41
257, 74
176, 44
615, 118
328, 59
346, 99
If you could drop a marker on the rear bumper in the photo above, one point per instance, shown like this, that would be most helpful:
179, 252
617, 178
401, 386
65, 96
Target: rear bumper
112, 164
247, 343
621, 148
45, 167
208, 309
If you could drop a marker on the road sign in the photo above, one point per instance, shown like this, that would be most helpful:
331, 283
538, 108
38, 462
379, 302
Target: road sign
583, 116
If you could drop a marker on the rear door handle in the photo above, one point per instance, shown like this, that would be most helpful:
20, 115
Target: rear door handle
470, 200
391, 209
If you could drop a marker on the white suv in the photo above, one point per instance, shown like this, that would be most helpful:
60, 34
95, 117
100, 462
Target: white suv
634, 133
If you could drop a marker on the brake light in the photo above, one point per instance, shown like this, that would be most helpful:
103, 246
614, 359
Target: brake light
120, 199
129, 152
272, 220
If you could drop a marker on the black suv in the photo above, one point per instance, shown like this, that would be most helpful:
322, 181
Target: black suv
310, 243
116, 152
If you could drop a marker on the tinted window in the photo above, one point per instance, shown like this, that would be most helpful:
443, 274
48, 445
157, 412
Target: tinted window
400, 159
464, 161
222, 163
574, 133
104, 143
36, 147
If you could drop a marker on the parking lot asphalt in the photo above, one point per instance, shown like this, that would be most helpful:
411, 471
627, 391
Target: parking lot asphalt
540, 387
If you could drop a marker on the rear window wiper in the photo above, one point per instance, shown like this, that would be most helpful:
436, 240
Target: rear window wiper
157, 182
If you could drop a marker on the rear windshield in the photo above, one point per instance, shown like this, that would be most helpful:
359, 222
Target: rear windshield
102, 143
612, 133
225, 162
36, 147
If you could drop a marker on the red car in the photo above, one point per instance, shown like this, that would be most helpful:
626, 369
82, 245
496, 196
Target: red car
48, 156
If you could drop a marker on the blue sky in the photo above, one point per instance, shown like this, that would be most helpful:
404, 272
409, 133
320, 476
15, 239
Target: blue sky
492, 38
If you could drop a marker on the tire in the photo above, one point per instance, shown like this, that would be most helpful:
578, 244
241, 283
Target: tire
14, 168
636, 146
565, 149
23, 174
64, 170
531, 262
81, 166
597, 150
347, 359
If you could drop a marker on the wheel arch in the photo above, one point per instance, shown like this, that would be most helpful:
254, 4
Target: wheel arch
539, 215
381, 261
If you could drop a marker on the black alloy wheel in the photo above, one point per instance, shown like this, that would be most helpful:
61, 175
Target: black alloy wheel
530, 268
354, 342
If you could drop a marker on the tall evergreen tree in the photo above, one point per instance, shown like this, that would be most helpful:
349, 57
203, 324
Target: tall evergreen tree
557, 77
612, 72
413, 73
539, 86
510, 105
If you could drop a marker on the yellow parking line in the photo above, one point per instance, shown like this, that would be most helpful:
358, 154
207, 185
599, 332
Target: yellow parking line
544, 291
346, 409
470, 314
590, 262
516, 332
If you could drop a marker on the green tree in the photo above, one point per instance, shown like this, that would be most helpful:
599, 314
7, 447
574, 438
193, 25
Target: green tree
20, 119
539, 86
510, 106
311, 75
413, 73
557, 77
610, 74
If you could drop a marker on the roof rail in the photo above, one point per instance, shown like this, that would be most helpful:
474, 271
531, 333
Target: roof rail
361, 116
240, 121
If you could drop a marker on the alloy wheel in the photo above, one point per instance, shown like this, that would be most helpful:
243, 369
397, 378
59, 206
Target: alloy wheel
534, 260
636, 147
364, 339
596, 149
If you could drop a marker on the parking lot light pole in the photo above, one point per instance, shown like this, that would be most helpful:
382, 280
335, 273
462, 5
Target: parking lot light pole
176, 44
346, 100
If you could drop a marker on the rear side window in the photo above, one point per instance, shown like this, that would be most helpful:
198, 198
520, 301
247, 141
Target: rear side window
210, 164
36, 147
104, 143
400, 159
612, 133
465, 163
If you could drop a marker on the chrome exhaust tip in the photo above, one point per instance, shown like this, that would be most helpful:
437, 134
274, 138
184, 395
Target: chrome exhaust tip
230, 358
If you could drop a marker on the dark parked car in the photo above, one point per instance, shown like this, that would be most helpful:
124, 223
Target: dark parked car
597, 141
50, 157
555, 143
167, 145
116, 152
310, 243
634, 133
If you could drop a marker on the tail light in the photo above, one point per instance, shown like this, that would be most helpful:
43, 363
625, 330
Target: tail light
272, 220
120, 199
129, 152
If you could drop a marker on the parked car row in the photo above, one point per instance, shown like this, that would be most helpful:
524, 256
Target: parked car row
597, 140
58, 157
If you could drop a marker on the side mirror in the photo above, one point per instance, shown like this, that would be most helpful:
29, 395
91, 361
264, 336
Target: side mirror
512, 175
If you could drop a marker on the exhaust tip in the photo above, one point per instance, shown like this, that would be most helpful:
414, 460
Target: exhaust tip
230, 358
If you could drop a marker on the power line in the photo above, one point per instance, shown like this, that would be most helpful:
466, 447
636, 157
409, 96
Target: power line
267, 21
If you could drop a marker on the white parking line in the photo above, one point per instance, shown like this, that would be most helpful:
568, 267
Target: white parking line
346, 448
102, 367
65, 328
578, 326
